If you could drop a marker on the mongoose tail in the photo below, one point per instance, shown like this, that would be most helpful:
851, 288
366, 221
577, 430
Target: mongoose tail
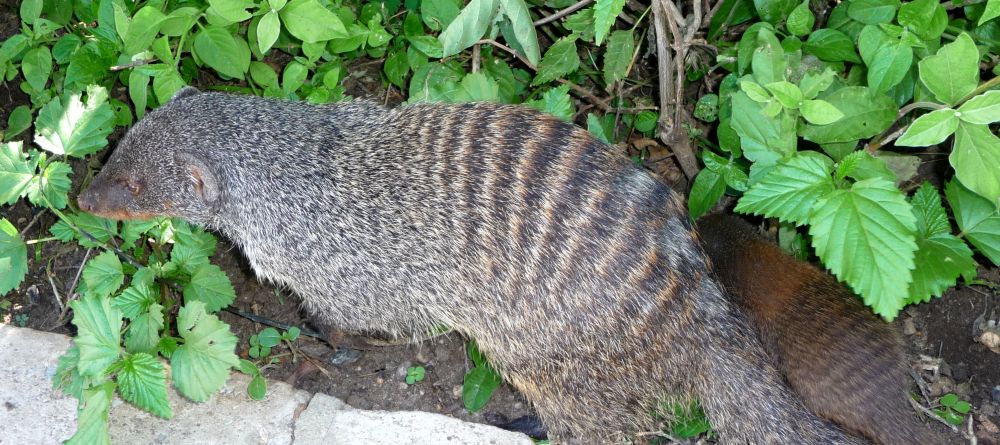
846, 364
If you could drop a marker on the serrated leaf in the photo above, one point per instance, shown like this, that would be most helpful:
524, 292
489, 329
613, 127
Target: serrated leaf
103, 275
98, 335
708, 187
953, 72
559, 60
143, 382
100, 229
930, 129
789, 191
135, 300
92, 425
69, 127
201, 365
556, 102
50, 188
144, 332
865, 115
820, 112
478, 87
800, 21
941, 257
310, 22
16, 172
976, 159
618, 56
977, 218
860, 165
865, 236
982, 109
524, 30
605, 14
478, 387
470, 26
223, 52
13, 257
210, 285
67, 377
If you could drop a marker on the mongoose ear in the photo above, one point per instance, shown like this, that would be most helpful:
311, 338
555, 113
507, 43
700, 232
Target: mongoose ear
185, 92
205, 184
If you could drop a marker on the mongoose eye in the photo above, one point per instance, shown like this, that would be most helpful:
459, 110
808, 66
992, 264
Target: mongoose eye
133, 187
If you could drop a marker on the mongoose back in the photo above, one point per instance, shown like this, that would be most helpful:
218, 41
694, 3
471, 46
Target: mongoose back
846, 364
575, 271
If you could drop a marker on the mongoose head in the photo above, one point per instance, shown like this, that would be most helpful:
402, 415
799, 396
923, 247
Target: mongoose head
150, 174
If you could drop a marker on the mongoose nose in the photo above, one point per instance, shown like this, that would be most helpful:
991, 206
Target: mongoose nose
86, 201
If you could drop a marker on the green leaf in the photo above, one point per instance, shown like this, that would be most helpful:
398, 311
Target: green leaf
478, 387
143, 382
50, 188
438, 14
556, 102
16, 172
37, 67
991, 12
229, 11
872, 12
269, 337
860, 165
98, 325
470, 26
618, 56
708, 187
13, 257
605, 14
18, 121
865, 115
865, 236
478, 87
524, 30
768, 61
953, 72
755, 91
428, 45
926, 18
92, 425
941, 257
600, 128
800, 22
257, 389
888, 58
930, 129
201, 365
220, 50
977, 218
559, 60
210, 285
103, 274
786, 93
774, 11
135, 300
982, 109
31, 10
70, 127
100, 228
831, 45
268, 30
310, 22
396, 67
976, 159
145, 25
789, 191
764, 140
820, 112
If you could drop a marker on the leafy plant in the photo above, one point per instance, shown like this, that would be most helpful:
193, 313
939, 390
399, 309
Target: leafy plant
953, 409
480, 382
804, 120
414, 374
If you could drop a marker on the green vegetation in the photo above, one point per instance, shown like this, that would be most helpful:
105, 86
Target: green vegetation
809, 120
953, 409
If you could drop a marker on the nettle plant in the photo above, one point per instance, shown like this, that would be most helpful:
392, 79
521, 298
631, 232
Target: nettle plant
804, 122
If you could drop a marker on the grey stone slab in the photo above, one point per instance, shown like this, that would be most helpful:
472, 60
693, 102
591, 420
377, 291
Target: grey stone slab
31, 412
328, 421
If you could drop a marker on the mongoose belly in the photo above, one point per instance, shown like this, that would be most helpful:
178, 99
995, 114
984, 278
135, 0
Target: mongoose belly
575, 271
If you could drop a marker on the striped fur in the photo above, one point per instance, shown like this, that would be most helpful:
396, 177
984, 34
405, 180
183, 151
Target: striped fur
575, 271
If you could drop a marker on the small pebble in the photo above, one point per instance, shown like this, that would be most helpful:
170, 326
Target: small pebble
909, 328
344, 356
995, 394
402, 369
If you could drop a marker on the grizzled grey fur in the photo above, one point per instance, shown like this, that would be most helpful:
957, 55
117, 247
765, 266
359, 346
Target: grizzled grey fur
575, 271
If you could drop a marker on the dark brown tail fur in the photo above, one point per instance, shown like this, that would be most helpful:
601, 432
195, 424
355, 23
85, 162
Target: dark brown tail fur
846, 364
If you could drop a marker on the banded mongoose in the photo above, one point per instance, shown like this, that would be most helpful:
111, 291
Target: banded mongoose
576, 271
845, 363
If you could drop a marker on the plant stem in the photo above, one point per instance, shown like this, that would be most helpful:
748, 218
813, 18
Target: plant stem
40, 240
